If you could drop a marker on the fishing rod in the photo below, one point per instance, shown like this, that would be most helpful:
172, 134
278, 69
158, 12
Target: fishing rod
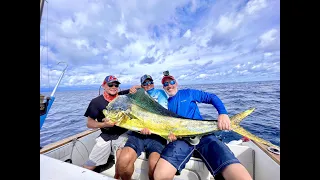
45, 106
64, 70
41, 8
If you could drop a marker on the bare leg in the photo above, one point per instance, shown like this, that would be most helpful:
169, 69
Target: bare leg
236, 172
116, 175
164, 170
125, 163
153, 159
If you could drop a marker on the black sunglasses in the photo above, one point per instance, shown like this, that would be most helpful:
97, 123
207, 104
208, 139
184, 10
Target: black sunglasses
147, 83
112, 84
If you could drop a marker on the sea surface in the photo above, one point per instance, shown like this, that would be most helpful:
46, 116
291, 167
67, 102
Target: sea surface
66, 118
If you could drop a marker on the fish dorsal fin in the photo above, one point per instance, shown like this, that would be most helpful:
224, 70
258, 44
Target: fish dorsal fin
142, 99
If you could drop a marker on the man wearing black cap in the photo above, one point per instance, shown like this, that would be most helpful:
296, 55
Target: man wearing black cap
152, 144
157, 94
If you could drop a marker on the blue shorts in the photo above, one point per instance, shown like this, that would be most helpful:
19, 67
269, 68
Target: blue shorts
214, 153
145, 143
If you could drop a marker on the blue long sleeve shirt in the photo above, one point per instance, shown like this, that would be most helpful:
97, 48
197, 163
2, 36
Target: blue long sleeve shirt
184, 103
160, 96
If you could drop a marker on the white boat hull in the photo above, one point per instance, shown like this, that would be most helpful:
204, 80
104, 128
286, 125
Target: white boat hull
258, 162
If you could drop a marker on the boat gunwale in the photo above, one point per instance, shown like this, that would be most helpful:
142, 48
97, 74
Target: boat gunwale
263, 147
64, 141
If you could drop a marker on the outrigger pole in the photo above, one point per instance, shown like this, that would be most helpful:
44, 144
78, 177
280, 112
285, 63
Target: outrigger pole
46, 105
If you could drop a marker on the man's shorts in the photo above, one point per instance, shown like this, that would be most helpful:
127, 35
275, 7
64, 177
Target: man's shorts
214, 153
102, 150
145, 143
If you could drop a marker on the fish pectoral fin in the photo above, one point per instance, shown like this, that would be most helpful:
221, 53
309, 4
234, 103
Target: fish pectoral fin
105, 112
129, 114
127, 111
121, 116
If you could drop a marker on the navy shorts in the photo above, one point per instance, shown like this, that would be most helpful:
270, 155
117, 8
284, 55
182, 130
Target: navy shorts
214, 153
145, 143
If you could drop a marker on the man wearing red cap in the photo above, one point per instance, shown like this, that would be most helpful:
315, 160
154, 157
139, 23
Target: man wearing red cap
218, 158
111, 136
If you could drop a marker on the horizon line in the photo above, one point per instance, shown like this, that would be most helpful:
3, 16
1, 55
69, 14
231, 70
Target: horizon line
91, 87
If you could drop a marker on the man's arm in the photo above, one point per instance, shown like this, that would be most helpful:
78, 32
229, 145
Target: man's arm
209, 98
123, 92
134, 88
92, 113
91, 123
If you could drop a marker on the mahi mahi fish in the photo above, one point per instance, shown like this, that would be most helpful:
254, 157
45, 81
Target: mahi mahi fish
139, 110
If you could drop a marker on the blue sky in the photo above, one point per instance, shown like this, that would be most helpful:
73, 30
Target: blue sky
198, 41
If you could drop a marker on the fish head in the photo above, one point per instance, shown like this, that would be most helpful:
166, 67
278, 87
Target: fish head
118, 109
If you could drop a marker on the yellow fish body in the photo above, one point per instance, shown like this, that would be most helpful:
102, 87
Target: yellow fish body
137, 111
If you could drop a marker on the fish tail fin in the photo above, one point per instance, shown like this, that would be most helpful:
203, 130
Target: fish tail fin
235, 125
243, 132
236, 119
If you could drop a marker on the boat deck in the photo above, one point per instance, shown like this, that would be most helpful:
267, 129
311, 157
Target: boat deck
254, 156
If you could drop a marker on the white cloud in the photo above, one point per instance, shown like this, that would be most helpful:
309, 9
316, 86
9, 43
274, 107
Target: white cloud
229, 22
187, 34
255, 5
196, 38
268, 38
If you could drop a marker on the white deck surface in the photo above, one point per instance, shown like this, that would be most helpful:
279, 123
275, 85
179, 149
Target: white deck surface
54, 169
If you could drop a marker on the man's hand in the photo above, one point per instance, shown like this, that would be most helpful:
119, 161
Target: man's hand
133, 89
107, 123
224, 122
145, 131
172, 137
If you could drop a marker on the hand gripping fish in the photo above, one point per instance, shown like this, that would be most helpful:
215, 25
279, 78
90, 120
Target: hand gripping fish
137, 111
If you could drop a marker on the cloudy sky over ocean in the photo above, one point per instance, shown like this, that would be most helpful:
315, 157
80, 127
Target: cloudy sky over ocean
202, 41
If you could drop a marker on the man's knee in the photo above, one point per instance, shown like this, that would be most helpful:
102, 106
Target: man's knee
126, 158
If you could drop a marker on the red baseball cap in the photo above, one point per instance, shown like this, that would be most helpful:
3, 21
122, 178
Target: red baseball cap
167, 77
110, 79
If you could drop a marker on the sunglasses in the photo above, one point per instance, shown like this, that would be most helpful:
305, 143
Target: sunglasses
111, 85
172, 82
147, 83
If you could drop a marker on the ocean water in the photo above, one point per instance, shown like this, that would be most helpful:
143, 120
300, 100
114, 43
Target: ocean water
66, 118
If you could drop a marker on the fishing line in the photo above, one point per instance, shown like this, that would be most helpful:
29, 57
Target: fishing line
47, 42
84, 146
74, 141
79, 151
